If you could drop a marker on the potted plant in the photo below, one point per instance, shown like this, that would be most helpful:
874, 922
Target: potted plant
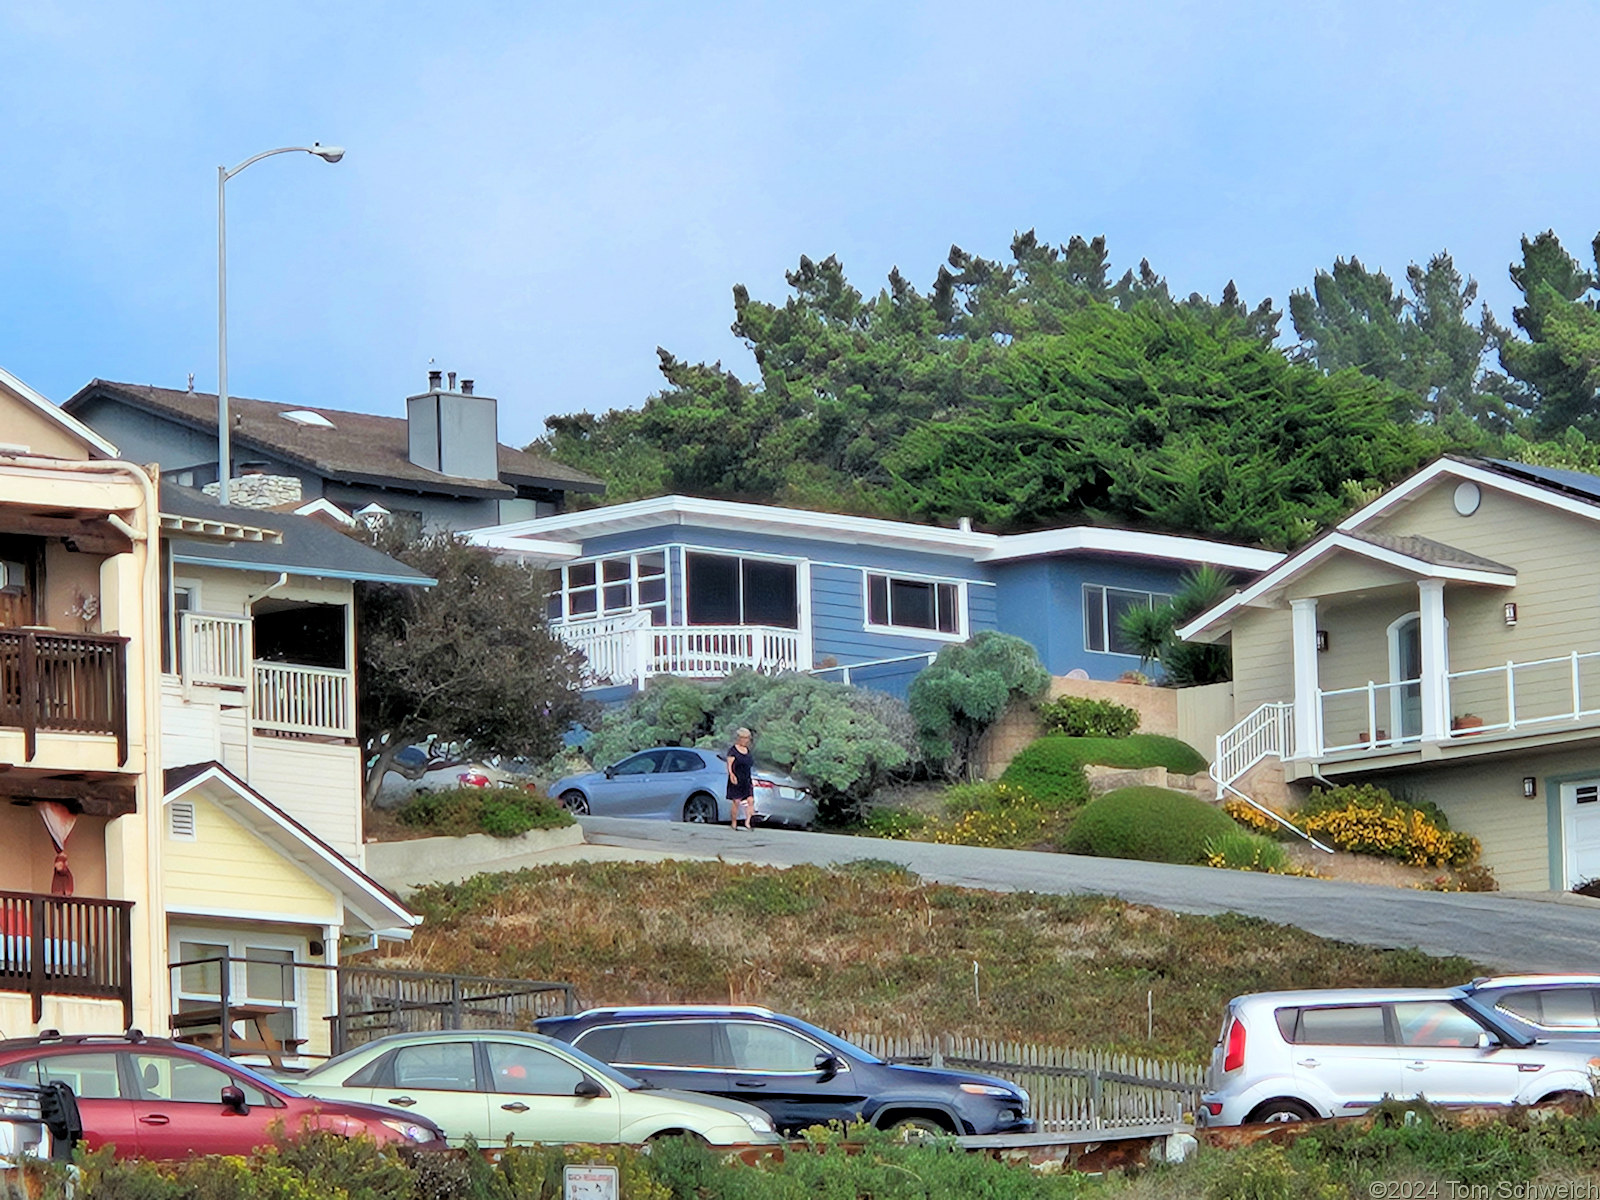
1466, 721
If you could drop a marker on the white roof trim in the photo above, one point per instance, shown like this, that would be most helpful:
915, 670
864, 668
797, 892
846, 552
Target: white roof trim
374, 906
519, 536
55, 413
327, 508
1320, 549
1479, 475
230, 531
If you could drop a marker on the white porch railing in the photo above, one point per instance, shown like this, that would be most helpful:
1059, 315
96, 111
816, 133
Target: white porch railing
628, 649
294, 699
215, 649
1370, 717
1539, 692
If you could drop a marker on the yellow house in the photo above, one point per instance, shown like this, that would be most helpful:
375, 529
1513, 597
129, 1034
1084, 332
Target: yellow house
1444, 640
82, 928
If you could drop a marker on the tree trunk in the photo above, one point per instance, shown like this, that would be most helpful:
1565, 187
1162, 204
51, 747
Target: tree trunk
378, 768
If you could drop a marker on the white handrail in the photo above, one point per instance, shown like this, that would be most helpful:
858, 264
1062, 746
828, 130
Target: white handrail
1268, 732
215, 649
629, 649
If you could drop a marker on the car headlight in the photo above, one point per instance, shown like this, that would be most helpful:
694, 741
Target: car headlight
1594, 1068
410, 1130
988, 1089
757, 1122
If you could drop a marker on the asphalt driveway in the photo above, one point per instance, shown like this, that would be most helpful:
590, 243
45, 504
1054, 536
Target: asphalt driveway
1514, 932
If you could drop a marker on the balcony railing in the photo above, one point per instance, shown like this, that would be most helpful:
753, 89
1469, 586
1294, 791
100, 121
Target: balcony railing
70, 682
287, 698
216, 649
628, 649
67, 946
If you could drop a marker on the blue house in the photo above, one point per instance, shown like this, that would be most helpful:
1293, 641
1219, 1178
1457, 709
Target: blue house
700, 588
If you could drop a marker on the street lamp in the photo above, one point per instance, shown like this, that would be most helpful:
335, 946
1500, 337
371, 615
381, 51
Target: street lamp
330, 154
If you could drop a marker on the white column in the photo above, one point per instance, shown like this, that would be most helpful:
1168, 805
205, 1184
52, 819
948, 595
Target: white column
1307, 726
1435, 661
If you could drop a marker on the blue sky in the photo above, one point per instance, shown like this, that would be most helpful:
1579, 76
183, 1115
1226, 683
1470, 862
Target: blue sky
538, 195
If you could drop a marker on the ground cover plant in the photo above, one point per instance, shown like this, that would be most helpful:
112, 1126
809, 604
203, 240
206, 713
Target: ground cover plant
1081, 716
1148, 823
873, 948
498, 811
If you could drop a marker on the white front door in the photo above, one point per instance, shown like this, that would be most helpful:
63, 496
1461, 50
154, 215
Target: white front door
1580, 827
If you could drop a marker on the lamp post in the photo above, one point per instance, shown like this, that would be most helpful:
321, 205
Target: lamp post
330, 154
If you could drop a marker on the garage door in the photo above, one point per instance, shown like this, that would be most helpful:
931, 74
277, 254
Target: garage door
1580, 808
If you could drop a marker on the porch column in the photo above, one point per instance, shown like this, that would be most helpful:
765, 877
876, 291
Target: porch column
1435, 661
1307, 725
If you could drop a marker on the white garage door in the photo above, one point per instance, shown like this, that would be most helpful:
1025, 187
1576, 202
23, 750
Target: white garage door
1580, 810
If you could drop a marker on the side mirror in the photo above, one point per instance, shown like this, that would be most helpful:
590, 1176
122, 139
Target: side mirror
588, 1089
827, 1065
611, 771
1487, 1040
233, 1100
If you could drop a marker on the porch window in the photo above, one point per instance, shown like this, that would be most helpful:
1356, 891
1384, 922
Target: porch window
897, 603
612, 586
266, 981
724, 590
1103, 610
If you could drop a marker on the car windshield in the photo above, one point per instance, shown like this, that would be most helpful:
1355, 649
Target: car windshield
833, 1043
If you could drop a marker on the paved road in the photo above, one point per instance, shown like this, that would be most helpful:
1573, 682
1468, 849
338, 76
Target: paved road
1509, 932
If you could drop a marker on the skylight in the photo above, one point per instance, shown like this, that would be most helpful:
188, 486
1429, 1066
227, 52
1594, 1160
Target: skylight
304, 416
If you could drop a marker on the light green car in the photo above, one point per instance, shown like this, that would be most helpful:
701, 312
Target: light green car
494, 1085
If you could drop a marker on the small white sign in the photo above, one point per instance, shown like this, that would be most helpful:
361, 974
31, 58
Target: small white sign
590, 1183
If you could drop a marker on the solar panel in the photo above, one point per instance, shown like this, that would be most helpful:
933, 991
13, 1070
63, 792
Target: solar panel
1580, 482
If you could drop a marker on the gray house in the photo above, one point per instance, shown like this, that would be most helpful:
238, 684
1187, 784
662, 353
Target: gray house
441, 463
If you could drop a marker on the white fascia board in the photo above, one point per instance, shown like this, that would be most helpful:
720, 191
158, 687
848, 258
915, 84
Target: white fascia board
55, 413
371, 902
1475, 474
531, 549
1095, 539
328, 508
1320, 549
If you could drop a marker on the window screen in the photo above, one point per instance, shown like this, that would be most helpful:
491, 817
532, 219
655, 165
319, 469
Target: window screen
770, 594
913, 604
713, 589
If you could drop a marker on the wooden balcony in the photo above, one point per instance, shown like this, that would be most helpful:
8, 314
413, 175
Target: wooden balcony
67, 946
65, 682
285, 698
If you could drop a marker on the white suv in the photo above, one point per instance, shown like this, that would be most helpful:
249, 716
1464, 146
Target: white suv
1295, 1056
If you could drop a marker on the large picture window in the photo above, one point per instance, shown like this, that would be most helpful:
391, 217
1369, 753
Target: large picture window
1103, 609
724, 590
913, 604
610, 587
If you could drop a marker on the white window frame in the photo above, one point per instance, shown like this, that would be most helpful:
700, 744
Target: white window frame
237, 941
913, 631
802, 584
1153, 599
564, 588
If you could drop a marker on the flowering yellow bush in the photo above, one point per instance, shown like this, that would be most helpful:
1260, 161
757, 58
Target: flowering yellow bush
1250, 816
1392, 831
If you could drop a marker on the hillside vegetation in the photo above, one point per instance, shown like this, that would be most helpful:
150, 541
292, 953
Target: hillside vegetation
873, 948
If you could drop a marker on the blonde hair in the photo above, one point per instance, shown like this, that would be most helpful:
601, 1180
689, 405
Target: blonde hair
741, 732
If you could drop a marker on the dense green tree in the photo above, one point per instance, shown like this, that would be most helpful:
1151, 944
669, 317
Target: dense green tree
1555, 373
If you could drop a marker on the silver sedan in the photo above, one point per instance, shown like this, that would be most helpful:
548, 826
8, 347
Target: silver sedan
674, 783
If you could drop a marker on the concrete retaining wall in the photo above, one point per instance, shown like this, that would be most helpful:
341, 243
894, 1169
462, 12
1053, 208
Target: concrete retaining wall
398, 864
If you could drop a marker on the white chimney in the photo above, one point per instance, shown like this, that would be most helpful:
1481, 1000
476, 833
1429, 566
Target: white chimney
454, 433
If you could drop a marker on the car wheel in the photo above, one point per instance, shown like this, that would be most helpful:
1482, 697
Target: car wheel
700, 809
918, 1129
1563, 1097
670, 1135
575, 802
1280, 1112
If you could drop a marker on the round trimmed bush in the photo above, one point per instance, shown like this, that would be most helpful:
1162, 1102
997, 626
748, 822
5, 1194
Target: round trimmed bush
1049, 771
1150, 824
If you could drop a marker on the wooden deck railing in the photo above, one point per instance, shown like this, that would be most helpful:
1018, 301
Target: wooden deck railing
303, 700
67, 946
72, 682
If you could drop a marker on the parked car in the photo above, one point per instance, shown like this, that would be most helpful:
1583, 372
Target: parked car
799, 1074
676, 783
1550, 1007
1295, 1056
497, 1084
153, 1098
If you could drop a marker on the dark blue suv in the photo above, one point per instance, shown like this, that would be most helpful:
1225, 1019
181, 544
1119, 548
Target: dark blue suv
799, 1074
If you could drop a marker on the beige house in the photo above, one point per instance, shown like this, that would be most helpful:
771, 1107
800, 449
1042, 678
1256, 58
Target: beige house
1445, 639
82, 930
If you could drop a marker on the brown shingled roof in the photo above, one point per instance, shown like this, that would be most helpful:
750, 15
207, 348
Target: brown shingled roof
360, 448
1429, 551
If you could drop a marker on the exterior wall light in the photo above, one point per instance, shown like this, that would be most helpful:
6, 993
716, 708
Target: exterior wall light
1511, 612
1530, 786
1322, 641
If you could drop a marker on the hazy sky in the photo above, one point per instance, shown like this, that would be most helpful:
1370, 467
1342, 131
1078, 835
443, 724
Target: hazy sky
537, 195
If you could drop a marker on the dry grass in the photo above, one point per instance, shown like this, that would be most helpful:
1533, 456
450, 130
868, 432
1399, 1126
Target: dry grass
872, 948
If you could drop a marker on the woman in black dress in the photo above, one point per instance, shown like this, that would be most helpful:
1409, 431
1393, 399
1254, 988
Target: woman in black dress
741, 788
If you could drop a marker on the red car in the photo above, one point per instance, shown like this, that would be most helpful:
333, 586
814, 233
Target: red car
153, 1098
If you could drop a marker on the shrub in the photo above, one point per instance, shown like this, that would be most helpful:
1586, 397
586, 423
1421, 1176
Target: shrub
1050, 771
1253, 819
1083, 717
889, 822
1365, 819
1152, 824
1240, 850
962, 692
998, 814
497, 811
1134, 751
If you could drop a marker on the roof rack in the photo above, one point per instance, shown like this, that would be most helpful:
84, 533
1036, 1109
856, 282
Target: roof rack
134, 1037
754, 1010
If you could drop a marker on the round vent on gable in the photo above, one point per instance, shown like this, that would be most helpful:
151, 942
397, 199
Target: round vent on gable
1468, 497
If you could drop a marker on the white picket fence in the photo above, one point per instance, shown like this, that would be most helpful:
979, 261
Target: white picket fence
1070, 1089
